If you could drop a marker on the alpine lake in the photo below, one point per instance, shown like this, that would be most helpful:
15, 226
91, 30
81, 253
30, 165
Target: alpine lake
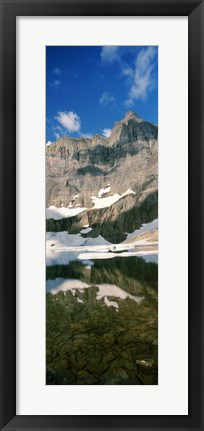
102, 322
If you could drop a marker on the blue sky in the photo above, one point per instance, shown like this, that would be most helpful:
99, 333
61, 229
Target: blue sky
88, 88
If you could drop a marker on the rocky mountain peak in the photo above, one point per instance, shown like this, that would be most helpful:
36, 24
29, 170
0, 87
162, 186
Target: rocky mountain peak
79, 171
131, 115
132, 128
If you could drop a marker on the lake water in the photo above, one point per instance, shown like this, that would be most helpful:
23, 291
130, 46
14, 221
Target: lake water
102, 322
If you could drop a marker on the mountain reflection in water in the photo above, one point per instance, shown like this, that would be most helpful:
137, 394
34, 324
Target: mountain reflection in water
102, 323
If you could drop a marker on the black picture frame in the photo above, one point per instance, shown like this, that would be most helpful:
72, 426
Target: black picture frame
194, 9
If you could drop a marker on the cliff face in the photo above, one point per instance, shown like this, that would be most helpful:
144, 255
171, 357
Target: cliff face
77, 170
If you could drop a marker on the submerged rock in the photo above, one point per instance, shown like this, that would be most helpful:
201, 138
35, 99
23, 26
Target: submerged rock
91, 343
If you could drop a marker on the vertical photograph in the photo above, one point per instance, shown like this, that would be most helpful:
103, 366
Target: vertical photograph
101, 214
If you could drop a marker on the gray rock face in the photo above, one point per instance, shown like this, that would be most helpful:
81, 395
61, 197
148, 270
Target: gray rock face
124, 216
76, 169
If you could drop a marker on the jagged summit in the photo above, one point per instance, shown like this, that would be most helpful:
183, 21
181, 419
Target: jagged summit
127, 159
132, 115
120, 127
132, 128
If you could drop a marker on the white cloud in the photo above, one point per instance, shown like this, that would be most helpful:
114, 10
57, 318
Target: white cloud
106, 132
141, 76
144, 74
48, 143
59, 131
110, 54
129, 103
57, 71
70, 120
55, 83
57, 135
106, 99
127, 71
87, 135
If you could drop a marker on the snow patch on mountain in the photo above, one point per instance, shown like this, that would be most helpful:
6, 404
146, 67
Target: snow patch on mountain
110, 200
59, 213
61, 240
100, 202
86, 230
146, 227
104, 191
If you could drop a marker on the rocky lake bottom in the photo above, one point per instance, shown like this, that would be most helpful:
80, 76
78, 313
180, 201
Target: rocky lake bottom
102, 322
